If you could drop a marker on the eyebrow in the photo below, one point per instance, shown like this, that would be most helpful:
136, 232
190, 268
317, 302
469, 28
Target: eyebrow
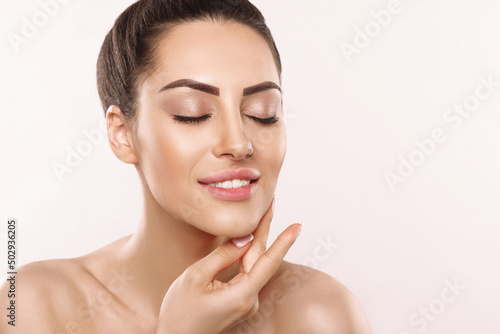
215, 90
261, 87
192, 84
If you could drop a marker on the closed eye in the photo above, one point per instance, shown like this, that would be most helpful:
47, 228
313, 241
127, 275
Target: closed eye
197, 120
267, 121
191, 120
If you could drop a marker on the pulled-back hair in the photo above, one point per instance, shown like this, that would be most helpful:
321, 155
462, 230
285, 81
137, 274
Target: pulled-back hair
128, 52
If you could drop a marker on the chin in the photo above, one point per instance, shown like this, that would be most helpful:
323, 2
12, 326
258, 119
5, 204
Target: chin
228, 223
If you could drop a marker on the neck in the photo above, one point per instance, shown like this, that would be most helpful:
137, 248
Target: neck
162, 248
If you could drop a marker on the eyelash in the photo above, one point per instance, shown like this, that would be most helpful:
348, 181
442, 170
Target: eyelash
197, 120
191, 120
266, 121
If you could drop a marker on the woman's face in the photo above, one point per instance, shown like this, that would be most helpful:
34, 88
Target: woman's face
214, 104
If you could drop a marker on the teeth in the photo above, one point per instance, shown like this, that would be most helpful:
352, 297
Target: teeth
231, 184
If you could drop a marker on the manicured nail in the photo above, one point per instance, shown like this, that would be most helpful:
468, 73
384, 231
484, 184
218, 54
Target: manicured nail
242, 241
301, 227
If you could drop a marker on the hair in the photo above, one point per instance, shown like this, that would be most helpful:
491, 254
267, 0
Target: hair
127, 54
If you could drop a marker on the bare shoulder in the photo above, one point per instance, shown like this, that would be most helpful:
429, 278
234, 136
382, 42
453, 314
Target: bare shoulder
38, 290
57, 296
310, 301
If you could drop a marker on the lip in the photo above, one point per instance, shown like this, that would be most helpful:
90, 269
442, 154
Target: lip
236, 194
231, 174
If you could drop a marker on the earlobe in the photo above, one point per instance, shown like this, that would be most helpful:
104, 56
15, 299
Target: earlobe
119, 135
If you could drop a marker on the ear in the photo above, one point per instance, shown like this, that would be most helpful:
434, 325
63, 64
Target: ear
120, 136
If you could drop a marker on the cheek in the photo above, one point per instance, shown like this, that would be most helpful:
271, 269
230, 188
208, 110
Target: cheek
270, 148
167, 158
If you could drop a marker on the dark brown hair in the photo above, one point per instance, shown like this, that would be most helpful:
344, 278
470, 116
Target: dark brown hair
127, 53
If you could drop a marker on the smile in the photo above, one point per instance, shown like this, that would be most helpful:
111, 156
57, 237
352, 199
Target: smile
231, 184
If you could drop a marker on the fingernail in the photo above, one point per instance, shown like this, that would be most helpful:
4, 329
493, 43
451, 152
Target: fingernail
242, 241
301, 226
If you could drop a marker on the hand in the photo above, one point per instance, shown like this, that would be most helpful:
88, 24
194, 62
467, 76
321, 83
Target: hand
197, 303
259, 243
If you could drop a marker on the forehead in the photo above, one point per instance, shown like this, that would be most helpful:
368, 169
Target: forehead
215, 52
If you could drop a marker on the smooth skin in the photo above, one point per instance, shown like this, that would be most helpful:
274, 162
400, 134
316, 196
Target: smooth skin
180, 272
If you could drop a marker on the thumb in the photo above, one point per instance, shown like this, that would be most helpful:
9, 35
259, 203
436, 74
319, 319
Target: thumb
221, 258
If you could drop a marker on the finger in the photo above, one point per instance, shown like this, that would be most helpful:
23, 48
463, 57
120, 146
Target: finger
262, 231
259, 244
267, 265
222, 257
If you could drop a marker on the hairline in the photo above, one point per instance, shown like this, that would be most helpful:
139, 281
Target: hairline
166, 29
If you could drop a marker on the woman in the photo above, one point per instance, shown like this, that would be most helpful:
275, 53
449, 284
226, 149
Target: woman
192, 96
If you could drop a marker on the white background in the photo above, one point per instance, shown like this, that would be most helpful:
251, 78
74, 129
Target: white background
348, 122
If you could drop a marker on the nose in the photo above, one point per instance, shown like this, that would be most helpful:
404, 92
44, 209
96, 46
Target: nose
232, 141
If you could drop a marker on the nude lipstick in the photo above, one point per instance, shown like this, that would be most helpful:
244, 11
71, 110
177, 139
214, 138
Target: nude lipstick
231, 184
